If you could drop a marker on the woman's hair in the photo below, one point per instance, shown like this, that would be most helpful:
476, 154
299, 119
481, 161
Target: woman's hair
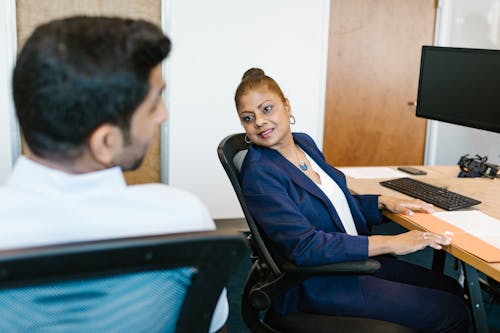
255, 78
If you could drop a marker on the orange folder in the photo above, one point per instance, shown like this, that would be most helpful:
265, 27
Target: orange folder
461, 238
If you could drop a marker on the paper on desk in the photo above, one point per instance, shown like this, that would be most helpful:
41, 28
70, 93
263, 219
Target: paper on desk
372, 172
475, 223
473, 231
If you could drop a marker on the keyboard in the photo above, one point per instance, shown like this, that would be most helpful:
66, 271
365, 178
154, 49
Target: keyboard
435, 195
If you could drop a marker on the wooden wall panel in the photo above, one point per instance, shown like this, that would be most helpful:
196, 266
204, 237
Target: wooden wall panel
31, 13
373, 68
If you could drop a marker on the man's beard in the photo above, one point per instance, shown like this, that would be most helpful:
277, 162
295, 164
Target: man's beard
134, 165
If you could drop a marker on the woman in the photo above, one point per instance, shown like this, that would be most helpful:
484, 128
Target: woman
308, 216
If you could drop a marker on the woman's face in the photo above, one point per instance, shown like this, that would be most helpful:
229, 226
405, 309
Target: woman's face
265, 118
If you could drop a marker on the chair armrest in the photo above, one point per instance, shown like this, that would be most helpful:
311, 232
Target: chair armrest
261, 295
367, 266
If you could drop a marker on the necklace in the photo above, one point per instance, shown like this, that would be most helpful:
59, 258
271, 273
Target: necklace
302, 164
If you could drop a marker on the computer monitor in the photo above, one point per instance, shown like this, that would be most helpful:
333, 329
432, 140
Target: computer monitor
460, 86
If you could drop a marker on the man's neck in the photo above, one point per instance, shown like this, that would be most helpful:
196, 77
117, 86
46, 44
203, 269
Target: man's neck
80, 165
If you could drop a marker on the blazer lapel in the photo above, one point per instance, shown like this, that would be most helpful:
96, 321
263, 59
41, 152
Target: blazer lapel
357, 215
304, 182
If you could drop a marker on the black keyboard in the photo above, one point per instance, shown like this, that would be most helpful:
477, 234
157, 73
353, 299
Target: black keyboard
435, 195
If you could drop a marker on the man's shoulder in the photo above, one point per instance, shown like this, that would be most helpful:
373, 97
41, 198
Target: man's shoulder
154, 189
161, 206
164, 195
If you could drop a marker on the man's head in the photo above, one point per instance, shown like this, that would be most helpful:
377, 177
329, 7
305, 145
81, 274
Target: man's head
91, 86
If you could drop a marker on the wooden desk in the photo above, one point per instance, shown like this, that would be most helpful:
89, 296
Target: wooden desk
484, 189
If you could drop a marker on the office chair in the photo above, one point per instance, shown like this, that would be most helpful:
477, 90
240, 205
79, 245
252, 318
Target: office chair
267, 280
118, 285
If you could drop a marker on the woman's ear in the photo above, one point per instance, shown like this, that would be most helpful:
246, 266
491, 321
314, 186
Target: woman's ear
287, 106
105, 142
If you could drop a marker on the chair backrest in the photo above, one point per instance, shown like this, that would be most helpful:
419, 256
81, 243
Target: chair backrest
140, 270
232, 150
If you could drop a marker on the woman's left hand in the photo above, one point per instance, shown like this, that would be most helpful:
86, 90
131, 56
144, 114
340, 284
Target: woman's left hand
402, 206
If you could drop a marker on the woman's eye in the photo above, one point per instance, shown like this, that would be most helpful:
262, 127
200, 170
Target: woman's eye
268, 108
247, 119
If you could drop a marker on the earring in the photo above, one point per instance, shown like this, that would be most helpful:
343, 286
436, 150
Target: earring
292, 120
247, 140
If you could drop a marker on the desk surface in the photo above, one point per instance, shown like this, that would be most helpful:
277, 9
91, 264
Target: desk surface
484, 189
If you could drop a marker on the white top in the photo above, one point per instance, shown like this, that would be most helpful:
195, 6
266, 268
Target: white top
336, 197
41, 206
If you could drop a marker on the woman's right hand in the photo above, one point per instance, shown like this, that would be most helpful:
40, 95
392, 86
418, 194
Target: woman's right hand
405, 243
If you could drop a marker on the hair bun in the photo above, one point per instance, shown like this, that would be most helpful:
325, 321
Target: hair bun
253, 73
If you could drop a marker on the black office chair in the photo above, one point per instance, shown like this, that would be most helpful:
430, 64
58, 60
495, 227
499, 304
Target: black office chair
267, 281
209, 257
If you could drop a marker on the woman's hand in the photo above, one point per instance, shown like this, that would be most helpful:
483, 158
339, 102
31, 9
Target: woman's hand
401, 206
405, 243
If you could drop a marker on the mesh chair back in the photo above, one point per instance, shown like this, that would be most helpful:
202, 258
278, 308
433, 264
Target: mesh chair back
141, 284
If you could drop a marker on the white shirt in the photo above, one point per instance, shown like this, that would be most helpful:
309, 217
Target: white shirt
334, 193
41, 206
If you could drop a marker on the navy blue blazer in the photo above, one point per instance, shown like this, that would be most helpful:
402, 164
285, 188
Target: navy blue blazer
300, 223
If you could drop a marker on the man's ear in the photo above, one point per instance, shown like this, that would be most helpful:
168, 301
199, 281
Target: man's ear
104, 144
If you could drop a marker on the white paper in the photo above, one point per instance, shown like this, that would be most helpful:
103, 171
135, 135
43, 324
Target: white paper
475, 223
372, 172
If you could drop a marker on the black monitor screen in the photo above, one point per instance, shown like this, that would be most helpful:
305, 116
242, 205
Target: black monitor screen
460, 86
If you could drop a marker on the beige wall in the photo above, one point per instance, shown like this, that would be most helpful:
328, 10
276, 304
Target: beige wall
31, 13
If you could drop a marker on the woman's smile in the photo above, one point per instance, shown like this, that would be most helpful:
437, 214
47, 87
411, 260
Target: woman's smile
267, 133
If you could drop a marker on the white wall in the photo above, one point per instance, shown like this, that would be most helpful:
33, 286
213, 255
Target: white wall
214, 42
9, 140
464, 23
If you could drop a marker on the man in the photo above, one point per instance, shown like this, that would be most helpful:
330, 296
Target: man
87, 92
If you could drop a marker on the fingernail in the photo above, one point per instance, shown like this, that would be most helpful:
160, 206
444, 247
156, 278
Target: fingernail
409, 213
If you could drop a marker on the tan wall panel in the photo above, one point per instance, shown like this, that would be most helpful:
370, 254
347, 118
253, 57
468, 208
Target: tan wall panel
31, 13
373, 67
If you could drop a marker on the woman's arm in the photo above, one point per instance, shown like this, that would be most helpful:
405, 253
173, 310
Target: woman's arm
401, 206
407, 242
298, 225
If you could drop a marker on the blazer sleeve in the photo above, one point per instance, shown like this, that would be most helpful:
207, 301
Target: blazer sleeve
368, 204
281, 219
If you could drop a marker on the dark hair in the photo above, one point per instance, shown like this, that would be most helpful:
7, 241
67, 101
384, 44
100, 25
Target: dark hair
255, 78
75, 74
